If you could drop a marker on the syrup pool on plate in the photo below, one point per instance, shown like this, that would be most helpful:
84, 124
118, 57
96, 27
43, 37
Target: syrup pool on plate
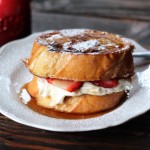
24, 97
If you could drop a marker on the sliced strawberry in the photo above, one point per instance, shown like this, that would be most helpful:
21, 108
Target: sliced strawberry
65, 84
74, 86
106, 83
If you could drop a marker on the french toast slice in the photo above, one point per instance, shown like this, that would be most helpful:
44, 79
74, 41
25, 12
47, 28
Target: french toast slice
81, 55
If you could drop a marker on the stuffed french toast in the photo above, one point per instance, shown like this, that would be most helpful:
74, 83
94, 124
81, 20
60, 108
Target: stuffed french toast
80, 71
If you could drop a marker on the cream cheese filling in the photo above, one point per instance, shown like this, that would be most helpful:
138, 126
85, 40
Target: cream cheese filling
57, 94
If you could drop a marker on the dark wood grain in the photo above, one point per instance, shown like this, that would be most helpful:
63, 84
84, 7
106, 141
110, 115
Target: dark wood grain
130, 18
131, 135
128, 9
140, 31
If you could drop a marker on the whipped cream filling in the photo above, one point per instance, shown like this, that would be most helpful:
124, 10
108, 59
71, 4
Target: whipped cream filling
25, 96
57, 94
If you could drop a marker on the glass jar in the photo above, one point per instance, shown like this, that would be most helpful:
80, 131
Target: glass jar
14, 20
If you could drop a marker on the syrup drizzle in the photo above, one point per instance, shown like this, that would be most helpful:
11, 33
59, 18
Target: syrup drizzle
83, 41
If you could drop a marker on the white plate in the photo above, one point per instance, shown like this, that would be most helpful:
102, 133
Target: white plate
13, 75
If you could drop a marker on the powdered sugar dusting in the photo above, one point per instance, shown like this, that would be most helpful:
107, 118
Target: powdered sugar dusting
83, 46
143, 78
55, 36
103, 47
66, 45
72, 32
83, 40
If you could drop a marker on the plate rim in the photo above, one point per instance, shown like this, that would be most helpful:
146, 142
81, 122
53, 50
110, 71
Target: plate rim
25, 122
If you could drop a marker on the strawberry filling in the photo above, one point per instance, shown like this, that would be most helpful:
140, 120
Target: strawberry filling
72, 86
106, 83
65, 84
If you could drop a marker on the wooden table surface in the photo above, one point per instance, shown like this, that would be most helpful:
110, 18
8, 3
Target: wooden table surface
130, 18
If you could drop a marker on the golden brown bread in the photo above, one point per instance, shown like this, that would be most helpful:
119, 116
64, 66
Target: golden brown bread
88, 56
84, 104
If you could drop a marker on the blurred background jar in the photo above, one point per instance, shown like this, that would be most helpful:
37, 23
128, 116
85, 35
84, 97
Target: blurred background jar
14, 20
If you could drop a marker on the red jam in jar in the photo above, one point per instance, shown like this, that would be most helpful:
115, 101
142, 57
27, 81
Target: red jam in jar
14, 20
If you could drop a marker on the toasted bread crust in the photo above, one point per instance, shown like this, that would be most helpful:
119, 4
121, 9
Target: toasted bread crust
79, 67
